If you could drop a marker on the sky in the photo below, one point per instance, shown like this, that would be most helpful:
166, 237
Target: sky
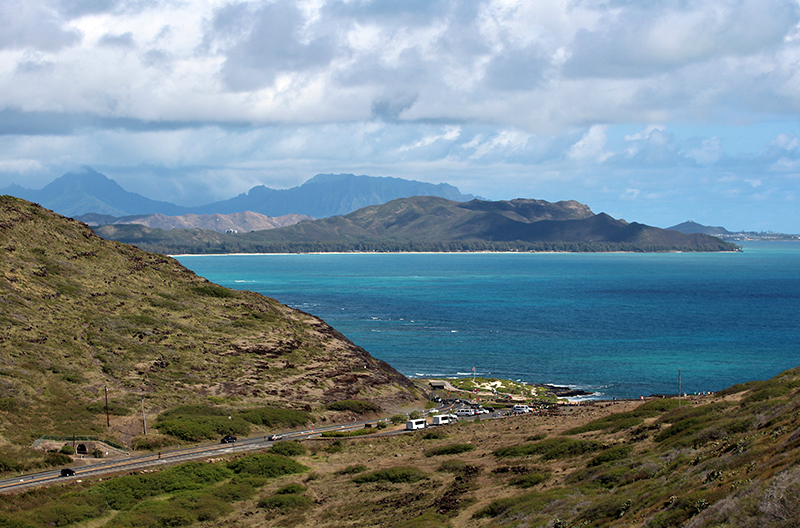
654, 111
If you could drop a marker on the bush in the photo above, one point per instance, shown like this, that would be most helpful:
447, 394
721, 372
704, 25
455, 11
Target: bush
274, 417
291, 448
452, 449
619, 452
453, 466
113, 408
270, 466
203, 428
393, 475
238, 489
292, 489
212, 290
352, 470
284, 503
125, 492
529, 480
398, 419
496, 508
67, 449
355, 406
551, 449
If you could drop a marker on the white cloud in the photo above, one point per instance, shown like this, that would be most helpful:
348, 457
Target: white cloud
451, 133
597, 93
709, 152
591, 146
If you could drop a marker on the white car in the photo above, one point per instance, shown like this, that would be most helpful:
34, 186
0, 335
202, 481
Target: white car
465, 412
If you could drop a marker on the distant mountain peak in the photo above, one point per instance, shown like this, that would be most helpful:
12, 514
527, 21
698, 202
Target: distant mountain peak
691, 227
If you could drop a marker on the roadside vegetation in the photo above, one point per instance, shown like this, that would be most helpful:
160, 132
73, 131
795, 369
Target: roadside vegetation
727, 459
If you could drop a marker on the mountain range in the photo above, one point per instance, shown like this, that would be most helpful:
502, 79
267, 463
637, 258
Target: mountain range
429, 223
230, 223
324, 195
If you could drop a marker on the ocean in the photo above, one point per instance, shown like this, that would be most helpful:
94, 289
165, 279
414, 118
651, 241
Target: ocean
617, 325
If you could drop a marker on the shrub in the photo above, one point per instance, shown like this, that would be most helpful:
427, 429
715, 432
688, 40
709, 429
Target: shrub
203, 428
125, 492
8, 405
398, 419
352, 470
274, 417
113, 408
284, 503
270, 466
238, 489
453, 466
619, 452
292, 489
356, 406
434, 435
67, 449
452, 449
529, 480
291, 448
393, 475
496, 508
212, 290
551, 449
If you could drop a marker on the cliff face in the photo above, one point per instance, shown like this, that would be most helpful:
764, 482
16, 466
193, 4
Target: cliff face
81, 314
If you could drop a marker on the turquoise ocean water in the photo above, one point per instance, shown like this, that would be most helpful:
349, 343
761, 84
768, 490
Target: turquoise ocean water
617, 325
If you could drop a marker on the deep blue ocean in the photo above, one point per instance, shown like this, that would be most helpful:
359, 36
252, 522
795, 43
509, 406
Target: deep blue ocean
614, 324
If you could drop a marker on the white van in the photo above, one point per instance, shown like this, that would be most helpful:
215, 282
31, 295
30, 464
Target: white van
521, 408
443, 419
419, 423
465, 412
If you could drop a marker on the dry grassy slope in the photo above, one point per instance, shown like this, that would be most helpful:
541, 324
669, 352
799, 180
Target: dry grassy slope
725, 460
79, 313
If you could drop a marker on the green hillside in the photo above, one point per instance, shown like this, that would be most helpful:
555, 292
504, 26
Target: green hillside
429, 223
79, 315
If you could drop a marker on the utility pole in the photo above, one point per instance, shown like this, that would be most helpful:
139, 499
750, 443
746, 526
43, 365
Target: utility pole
144, 420
108, 419
680, 391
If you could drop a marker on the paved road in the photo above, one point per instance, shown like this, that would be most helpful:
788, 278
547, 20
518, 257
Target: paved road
122, 464
129, 463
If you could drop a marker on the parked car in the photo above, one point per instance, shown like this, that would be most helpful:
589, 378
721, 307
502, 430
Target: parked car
67, 472
229, 439
465, 412
275, 437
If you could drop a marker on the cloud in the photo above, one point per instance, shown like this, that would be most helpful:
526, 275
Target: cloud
581, 99
591, 146
646, 38
264, 42
34, 25
124, 40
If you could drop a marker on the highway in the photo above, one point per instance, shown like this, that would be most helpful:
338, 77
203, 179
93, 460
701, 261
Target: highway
100, 467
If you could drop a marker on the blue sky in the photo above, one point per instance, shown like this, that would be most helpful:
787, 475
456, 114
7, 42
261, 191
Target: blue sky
651, 111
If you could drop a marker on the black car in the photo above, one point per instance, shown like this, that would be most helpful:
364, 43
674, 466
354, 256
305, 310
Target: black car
229, 440
67, 472
275, 437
